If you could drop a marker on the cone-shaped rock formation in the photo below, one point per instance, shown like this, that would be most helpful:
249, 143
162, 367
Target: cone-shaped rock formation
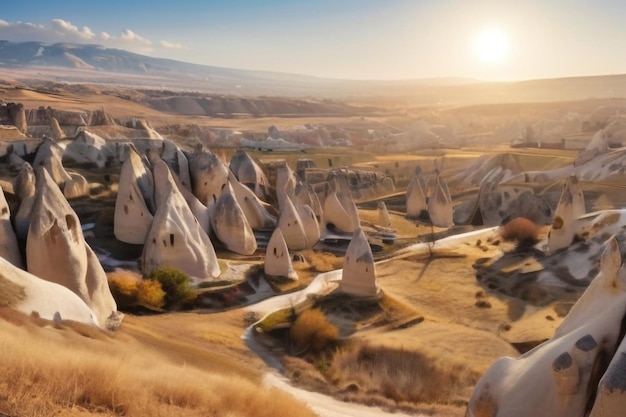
277, 258
359, 272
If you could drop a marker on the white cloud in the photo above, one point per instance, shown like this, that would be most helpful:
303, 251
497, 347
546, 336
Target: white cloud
60, 30
171, 45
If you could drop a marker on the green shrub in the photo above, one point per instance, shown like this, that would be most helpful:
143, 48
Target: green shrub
175, 283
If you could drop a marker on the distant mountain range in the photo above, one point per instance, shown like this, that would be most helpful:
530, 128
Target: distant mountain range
69, 62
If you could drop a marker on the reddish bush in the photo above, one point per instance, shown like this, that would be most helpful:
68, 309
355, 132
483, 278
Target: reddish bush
520, 230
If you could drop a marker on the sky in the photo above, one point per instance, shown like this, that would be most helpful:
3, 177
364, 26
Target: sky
348, 39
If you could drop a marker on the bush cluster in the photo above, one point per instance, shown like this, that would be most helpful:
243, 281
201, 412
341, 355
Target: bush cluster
175, 283
311, 330
130, 290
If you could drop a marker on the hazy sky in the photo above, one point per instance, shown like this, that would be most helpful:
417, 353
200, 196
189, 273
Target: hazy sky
360, 39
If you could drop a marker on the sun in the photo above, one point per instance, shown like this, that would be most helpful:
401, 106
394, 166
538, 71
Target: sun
491, 45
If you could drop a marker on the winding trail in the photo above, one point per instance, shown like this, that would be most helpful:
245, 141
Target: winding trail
324, 405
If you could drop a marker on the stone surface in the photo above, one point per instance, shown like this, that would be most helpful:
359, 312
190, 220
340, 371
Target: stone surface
416, 196
250, 174
253, 208
28, 294
231, 226
554, 379
133, 215
291, 226
359, 272
209, 176
277, 257
571, 206
176, 238
24, 188
56, 250
440, 208
9, 248
383, 215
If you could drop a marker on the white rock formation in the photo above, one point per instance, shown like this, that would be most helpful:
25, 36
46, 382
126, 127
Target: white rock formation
556, 378
49, 155
292, 227
230, 224
176, 238
610, 400
9, 249
209, 176
383, 215
440, 209
335, 213
254, 209
285, 185
56, 251
134, 205
86, 148
249, 173
571, 206
416, 196
277, 258
24, 188
344, 195
310, 225
28, 294
359, 271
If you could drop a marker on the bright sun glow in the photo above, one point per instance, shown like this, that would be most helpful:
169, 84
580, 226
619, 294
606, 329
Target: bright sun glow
492, 46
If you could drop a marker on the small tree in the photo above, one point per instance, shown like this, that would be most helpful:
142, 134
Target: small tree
175, 283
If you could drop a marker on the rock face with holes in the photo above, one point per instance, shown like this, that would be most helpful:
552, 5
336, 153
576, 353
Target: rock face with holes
134, 206
209, 176
557, 377
440, 208
28, 294
335, 213
176, 238
571, 206
292, 227
56, 251
359, 272
230, 224
9, 249
277, 258
249, 173
253, 208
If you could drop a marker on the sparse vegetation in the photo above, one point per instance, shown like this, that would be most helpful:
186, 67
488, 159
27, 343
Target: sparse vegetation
130, 290
401, 375
128, 381
313, 331
522, 231
175, 283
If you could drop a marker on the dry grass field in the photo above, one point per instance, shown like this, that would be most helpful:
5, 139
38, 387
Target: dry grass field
141, 371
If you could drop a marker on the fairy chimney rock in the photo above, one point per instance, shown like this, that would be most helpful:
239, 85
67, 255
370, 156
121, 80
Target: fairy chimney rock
135, 197
176, 238
571, 206
230, 224
359, 271
277, 258
56, 250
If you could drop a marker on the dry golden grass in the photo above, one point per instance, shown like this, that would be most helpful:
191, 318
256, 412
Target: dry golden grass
130, 290
311, 330
48, 371
322, 261
403, 376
